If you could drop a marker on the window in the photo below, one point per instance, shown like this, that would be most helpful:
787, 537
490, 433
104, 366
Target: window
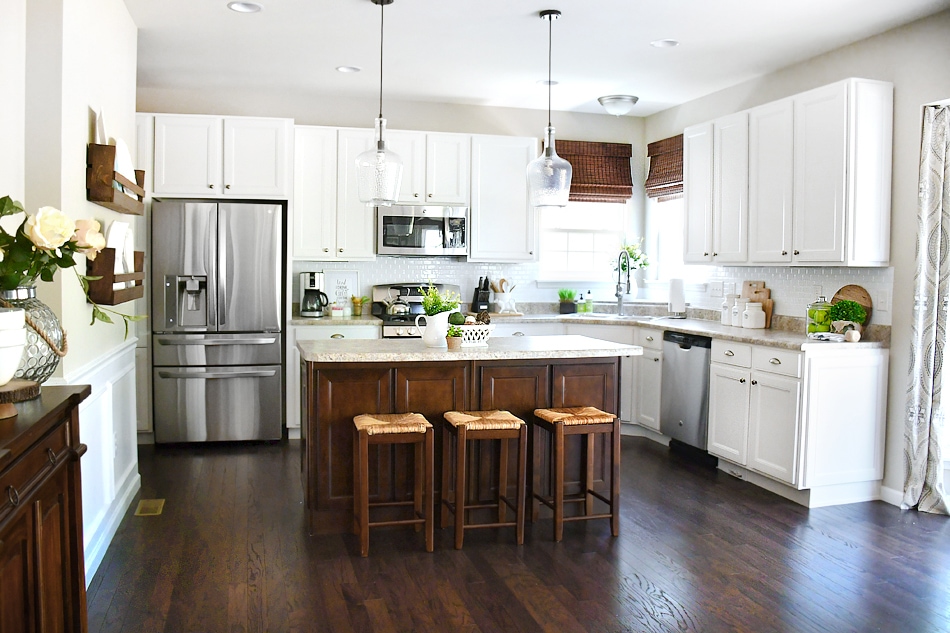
579, 242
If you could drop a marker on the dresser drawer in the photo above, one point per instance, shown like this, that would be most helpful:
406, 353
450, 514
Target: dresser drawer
19, 480
731, 353
777, 361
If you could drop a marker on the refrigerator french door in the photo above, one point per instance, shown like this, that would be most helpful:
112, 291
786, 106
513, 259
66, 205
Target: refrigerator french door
216, 306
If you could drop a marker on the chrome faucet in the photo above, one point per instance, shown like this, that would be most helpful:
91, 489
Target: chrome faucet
624, 255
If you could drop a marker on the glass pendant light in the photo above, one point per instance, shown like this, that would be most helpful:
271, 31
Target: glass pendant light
379, 170
549, 175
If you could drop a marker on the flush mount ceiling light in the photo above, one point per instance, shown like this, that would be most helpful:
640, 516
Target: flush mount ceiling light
664, 43
549, 175
618, 105
348, 69
379, 170
245, 7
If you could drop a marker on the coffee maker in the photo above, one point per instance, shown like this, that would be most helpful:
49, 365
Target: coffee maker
313, 301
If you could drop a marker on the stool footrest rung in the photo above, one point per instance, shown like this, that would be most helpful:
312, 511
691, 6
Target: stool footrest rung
390, 504
585, 517
397, 522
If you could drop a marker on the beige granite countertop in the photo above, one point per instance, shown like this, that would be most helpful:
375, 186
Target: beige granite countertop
499, 348
366, 319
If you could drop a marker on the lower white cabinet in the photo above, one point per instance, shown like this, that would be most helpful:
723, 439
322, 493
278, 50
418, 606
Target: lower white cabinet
647, 379
728, 429
528, 329
314, 333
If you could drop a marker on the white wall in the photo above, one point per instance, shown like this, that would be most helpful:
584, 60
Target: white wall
914, 58
12, 110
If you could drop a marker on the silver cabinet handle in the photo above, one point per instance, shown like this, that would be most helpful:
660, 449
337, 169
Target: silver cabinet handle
337, 336
13, 495
217, 374
729, 352
208, 342
775, 361
518, 334
649, 338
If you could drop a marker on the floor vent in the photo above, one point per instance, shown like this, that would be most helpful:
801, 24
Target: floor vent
149, 507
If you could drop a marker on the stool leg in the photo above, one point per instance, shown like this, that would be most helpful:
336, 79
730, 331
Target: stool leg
364, 493
502, 479
429, 489
356, 481
418, 465
558, 453
615, 479
446, 476
460, 485
520, 483
590, 441
535, 470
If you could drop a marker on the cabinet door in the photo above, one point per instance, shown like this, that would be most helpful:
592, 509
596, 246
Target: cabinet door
313, 210
502, 221
527, 329
448, 168
728, 412
774, 415
647, 389
698, 192
17, 597
255, 157
355, 220
188, 155
820, 174
51, 510
411, 149
770, 183
731, 188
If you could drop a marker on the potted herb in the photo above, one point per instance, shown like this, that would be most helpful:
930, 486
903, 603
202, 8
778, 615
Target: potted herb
566, 297
437, 306
453, 337
358, 304
848, 317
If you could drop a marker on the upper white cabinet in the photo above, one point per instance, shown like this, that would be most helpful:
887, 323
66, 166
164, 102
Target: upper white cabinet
770, 183
313, 225
355, 220
436, 166
502, 222
211, 156
698, 193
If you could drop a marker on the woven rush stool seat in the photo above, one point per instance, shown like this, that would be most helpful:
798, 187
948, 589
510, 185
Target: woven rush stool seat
587, 422
393, 428
483, 425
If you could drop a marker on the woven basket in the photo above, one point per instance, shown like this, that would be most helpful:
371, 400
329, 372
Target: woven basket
473, 335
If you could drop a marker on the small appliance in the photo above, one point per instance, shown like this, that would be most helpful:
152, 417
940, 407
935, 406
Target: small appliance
422, 230
313, 301
397, 305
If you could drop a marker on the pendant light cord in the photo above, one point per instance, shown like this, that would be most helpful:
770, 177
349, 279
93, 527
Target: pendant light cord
382, 17
550, 31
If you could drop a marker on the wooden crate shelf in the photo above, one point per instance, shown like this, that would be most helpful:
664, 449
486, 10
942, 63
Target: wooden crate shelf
101, 178
103, 266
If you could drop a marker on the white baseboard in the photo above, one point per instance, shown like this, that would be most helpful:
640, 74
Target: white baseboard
99, 542
293, 434
892, 496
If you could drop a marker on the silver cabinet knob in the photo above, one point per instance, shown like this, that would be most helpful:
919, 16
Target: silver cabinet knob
341, 250
210, 186
430, 195
795, 252
784, 252
227, 186
326, 250
415, 195
336, 336
649, 338
755, 382
715, 254
742, 380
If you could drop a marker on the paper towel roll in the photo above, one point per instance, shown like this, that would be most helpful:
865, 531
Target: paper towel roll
677, 302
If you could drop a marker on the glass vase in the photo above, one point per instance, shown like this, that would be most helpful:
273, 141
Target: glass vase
39, 361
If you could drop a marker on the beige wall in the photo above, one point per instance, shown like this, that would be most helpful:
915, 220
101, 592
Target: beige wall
81, 57
914, 58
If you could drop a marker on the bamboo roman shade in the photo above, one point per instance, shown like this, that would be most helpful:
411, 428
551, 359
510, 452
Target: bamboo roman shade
601, 170
665, 180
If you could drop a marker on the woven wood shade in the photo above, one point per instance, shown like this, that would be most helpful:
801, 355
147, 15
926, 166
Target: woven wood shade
665, 180
601, 170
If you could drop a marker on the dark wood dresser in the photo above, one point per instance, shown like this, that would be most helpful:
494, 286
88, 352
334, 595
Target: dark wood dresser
42, 570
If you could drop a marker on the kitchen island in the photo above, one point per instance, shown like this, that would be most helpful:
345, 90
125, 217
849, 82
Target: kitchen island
344, 378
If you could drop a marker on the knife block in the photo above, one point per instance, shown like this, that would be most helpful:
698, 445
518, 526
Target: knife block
480, 300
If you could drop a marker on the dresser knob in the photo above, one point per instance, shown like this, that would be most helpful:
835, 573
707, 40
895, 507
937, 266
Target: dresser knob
13, 496
51, 456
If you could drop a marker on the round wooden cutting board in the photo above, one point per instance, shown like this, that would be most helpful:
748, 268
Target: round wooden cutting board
856, 294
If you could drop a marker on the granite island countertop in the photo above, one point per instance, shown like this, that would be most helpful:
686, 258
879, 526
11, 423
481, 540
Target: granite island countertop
498, 348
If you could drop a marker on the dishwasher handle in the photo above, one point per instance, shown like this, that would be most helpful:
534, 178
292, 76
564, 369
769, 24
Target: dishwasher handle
687, 341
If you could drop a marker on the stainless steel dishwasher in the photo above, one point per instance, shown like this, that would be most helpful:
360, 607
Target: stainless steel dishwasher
684, 390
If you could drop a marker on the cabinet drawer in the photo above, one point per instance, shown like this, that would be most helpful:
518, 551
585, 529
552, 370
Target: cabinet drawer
650, 339
777, 361
731, 353
23, 477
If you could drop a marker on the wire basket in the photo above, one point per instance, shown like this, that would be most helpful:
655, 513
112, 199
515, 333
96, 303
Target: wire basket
474, 335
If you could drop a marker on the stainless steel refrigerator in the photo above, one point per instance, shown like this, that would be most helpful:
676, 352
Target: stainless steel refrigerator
216, 272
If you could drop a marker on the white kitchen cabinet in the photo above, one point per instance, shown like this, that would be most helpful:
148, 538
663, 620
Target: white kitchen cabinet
728, 430
731, 189
617, 334
647, 379
774, 425
313, 209
436, 166
842, 173
528, 329
314, 333
355, 220
211, 156
770, 183
502, 221
698, 193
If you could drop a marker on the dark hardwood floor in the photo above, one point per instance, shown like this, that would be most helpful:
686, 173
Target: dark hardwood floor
698, 551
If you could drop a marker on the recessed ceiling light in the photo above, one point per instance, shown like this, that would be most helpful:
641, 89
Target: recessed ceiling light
348, 69
664, 43
245, 7
545, 82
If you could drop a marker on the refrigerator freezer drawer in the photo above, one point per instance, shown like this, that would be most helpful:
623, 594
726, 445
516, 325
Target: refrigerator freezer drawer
217, 404
202, 350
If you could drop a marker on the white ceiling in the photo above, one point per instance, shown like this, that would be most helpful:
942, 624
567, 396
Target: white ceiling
494, 52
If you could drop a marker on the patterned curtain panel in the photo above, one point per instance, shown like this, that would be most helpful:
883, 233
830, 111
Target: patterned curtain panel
923, 462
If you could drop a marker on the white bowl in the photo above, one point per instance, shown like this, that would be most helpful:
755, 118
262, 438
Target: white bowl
11, 318
12, 338
9, 361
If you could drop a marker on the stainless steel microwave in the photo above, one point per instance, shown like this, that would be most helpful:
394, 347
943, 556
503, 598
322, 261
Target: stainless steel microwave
421, 230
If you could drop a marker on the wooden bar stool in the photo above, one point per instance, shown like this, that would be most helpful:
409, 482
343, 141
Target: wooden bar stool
586, 421
483, 425
399, 428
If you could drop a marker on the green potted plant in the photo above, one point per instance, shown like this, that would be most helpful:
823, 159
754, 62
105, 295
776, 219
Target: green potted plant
566, 297
358, 303
453, 337
848, 317
437, 306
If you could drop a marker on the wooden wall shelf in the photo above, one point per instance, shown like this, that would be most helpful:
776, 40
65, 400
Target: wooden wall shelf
101, 290
101, 178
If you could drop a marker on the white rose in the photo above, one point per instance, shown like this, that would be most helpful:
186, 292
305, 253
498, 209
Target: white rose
49, 228
89, 241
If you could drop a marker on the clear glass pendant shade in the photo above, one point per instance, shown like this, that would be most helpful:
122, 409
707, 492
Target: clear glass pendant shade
549, 176
379, 172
